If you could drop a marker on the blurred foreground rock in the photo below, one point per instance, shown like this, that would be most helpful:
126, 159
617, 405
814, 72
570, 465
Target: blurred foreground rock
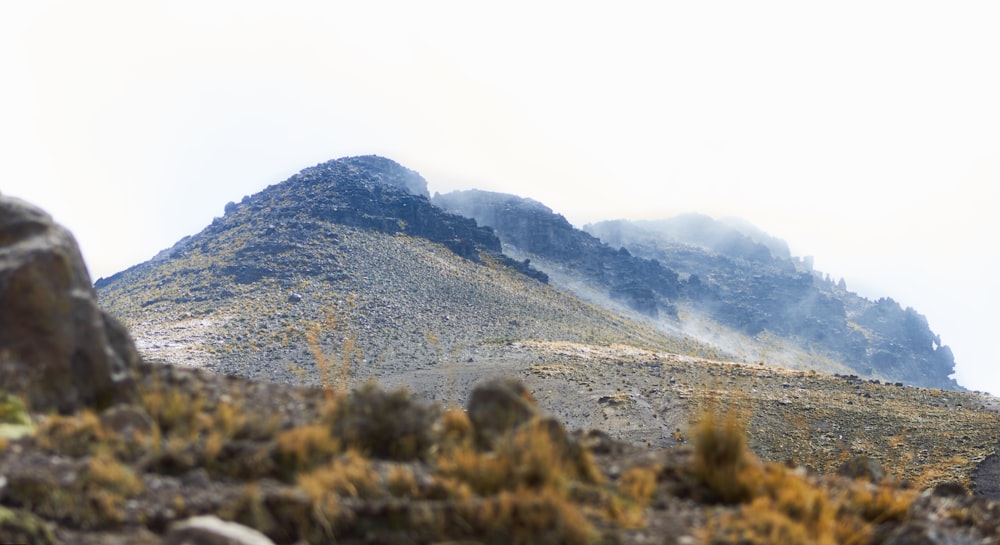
58, 350
210, 530
498, 406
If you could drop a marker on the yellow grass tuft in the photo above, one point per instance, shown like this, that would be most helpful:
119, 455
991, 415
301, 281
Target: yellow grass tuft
304, 447
782, 505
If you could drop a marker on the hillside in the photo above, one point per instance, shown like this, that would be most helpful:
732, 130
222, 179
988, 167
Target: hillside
349, 261
706, 452
288, 287
749, 281
733, 286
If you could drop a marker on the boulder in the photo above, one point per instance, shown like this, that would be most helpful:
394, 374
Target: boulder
211, 530
58, 350
498, 406
862, 467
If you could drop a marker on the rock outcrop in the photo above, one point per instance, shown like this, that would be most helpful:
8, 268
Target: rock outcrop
58, 350
748, 280
368, 192
498, 406
527, 226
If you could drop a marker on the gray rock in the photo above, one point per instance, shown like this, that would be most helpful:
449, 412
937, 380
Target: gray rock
58, 350
925, 533
210, 530
498, 406
127, 420
862, 467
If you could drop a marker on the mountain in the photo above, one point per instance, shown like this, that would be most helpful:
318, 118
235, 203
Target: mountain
350, 262
744, 284
527, 226
171, 455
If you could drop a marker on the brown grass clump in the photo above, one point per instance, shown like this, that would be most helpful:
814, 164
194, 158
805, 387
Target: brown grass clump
349, 475
386, 425
93, 498
535, 456
285, 515
107, 483
303, 448
175, 411
73, 435
638, 484
529, 489
455, 428
190, 431
528, 517
84, 434
782, 505
722, 461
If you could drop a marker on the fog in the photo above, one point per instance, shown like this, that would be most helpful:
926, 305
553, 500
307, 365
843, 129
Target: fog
864, 134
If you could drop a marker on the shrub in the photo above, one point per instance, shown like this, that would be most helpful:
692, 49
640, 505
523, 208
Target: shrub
387, 425
722, 462
303, 448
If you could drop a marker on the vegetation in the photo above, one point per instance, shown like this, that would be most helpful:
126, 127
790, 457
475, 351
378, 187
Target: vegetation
374, 464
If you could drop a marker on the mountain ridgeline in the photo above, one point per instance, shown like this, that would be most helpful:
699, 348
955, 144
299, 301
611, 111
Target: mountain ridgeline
352, 260
727, 271
349, 261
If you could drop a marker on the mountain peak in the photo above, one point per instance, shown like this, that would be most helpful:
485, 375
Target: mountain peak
373, 168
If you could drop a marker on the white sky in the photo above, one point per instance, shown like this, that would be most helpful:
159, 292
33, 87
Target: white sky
864, 133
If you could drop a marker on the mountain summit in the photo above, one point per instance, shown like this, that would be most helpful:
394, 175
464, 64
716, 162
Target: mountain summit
354, 249
349, 260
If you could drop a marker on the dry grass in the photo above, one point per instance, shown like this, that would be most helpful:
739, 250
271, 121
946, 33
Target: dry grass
73, 435
779, 505
304, 447
94, 498
349, 475
386, 425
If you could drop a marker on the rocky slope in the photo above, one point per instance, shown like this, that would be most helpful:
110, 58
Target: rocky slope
749, 281
532, 228
733, 284
178, 456
349, 262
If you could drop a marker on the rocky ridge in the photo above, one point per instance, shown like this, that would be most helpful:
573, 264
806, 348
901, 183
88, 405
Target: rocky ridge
335, 262
739, 283
197, 455
532, 228
742, 278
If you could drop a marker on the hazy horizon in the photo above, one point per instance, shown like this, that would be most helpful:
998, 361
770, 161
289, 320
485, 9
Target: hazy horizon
864, 134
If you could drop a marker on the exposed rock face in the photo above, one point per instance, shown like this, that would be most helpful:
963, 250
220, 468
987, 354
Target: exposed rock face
57, 348
368, 192
531, 227
748, 280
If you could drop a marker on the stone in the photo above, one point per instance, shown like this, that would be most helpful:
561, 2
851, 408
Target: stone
950, 489
917, 533
211, 530
58, 350
127, 421
498, 406
862, 467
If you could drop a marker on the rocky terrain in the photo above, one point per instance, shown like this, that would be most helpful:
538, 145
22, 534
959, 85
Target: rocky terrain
267, 408
716, 280
285, 276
